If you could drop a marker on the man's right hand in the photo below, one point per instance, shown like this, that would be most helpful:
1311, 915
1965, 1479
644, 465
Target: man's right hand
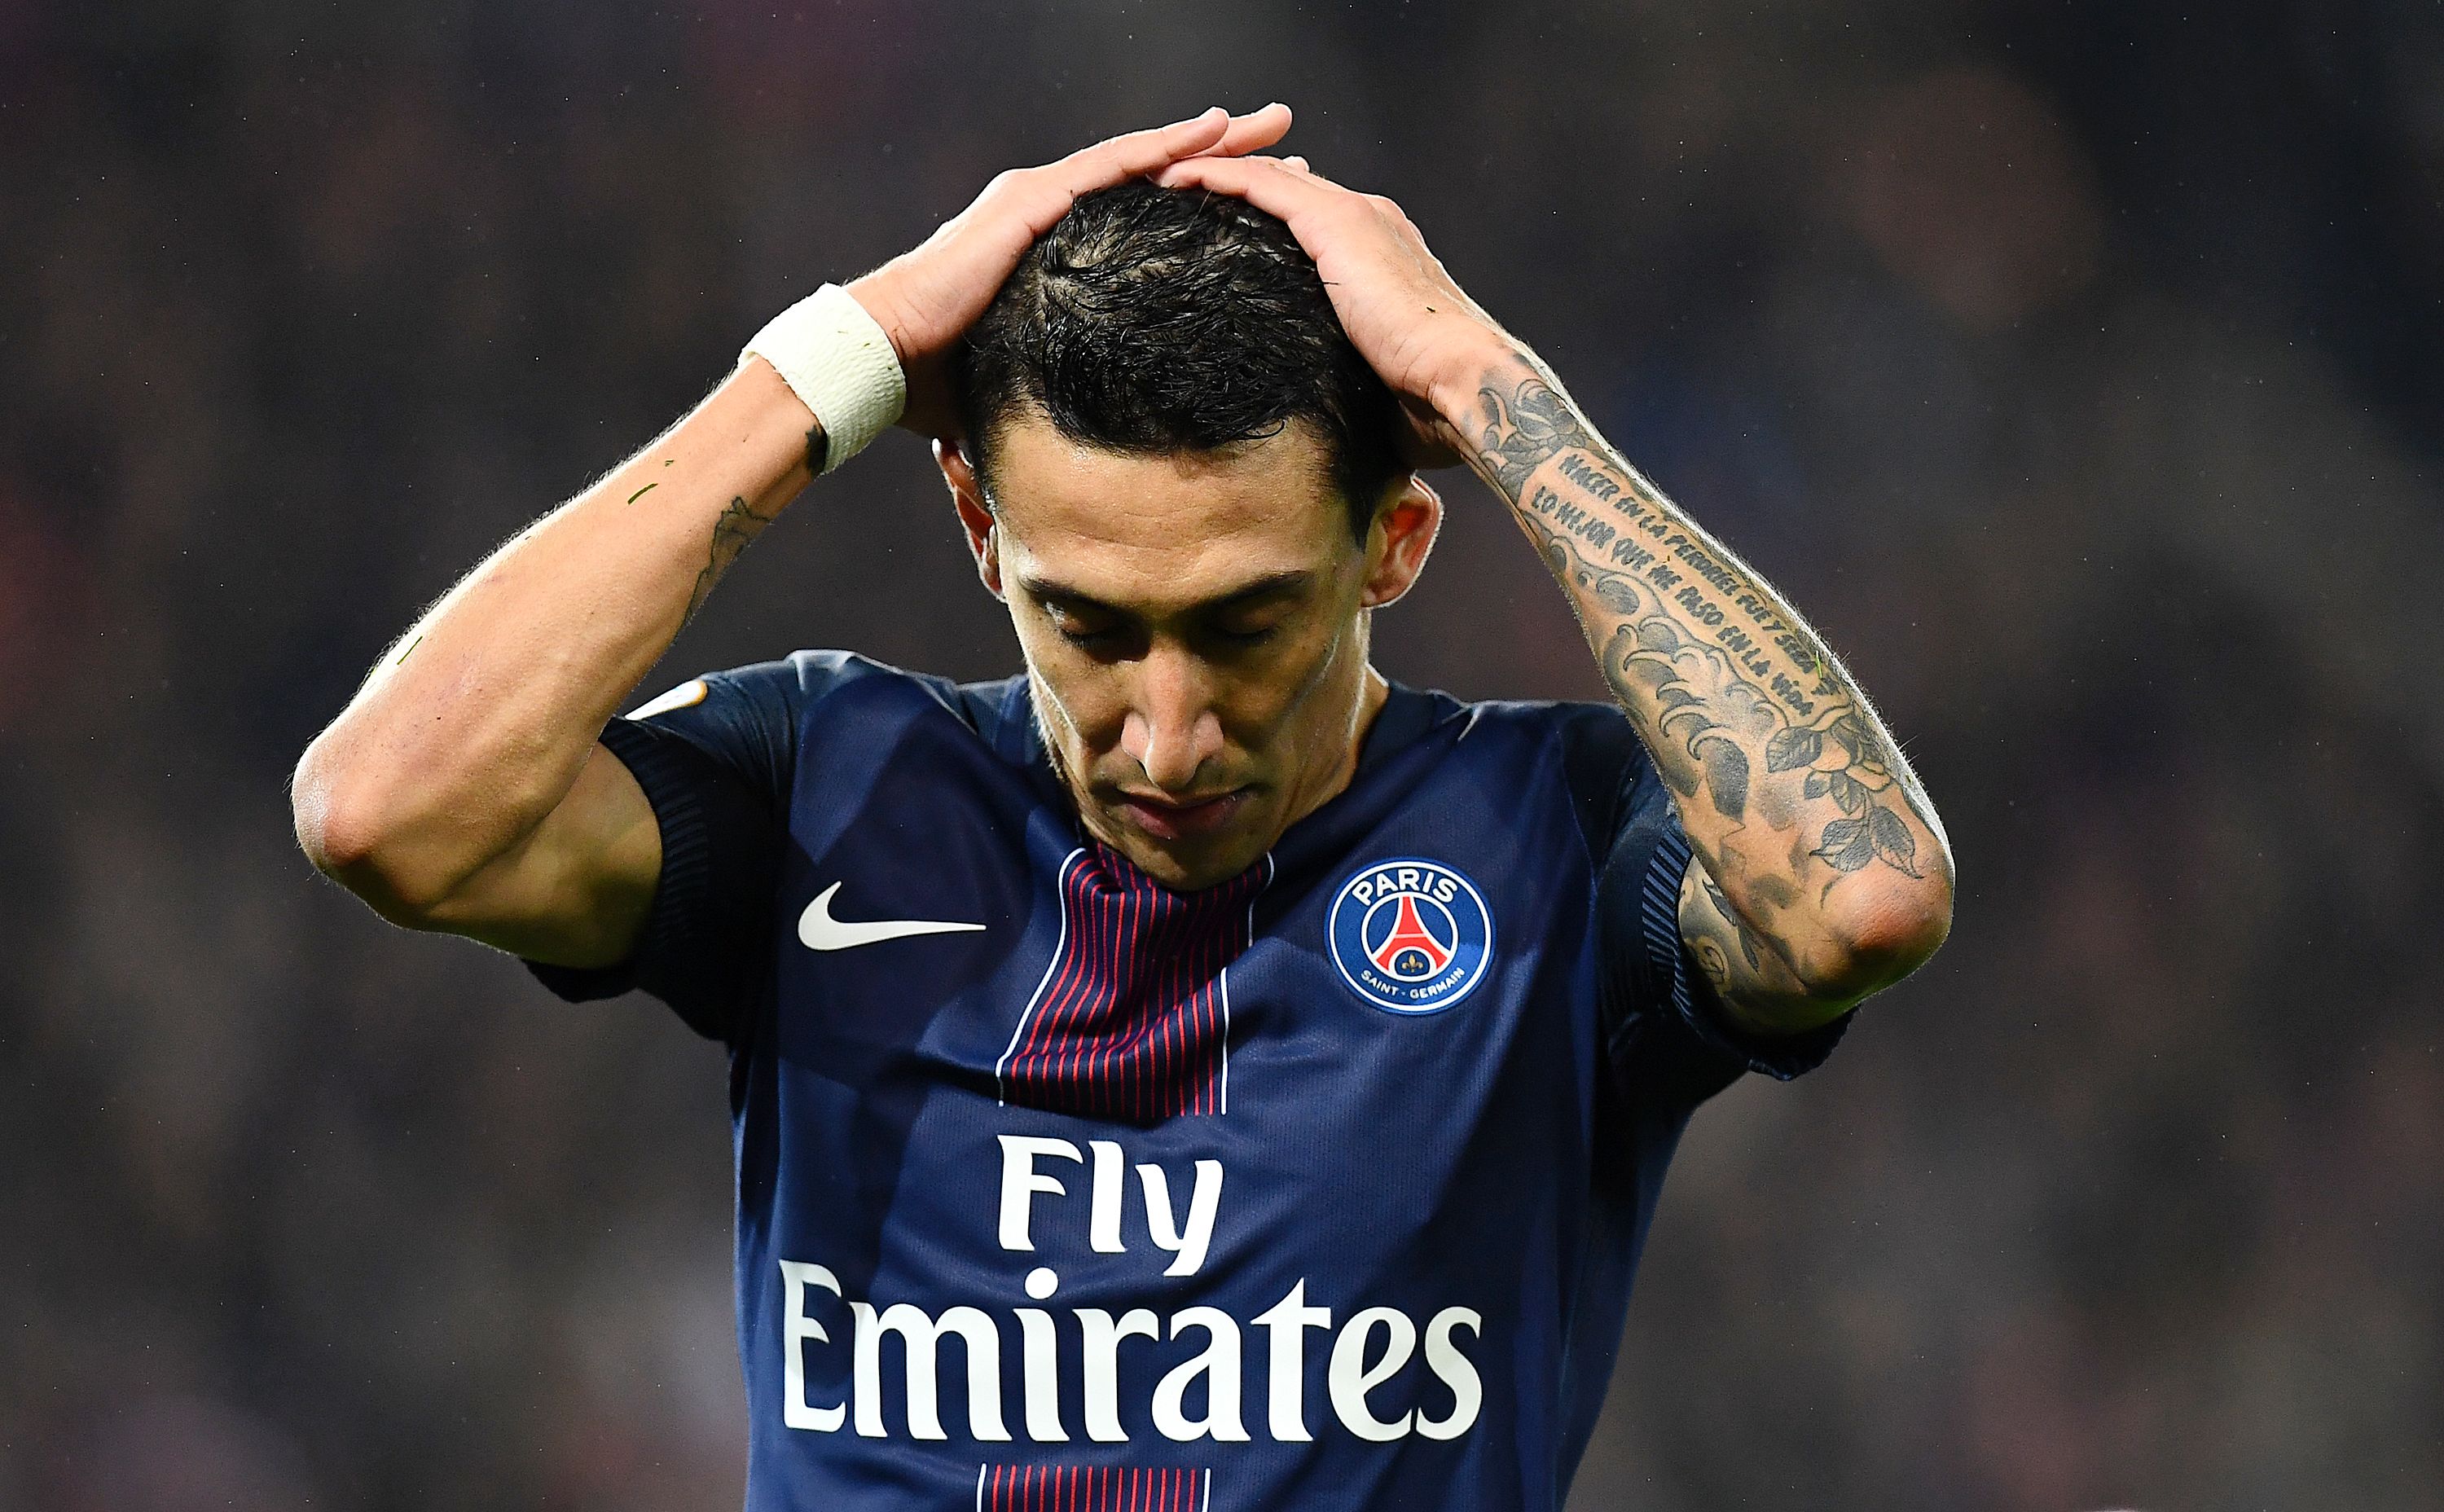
926, 299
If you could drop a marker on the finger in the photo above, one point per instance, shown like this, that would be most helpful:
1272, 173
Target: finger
1142, 152
1264, 182
1292, 164
1301, 166
1045, 193
1253, 132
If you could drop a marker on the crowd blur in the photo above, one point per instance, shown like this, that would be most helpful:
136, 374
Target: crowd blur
2072, 365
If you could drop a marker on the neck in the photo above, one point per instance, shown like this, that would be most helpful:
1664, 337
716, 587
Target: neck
1373, 693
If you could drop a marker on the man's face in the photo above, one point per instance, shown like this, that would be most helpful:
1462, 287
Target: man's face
1195, 633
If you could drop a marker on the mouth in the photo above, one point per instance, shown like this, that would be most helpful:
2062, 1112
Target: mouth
1173, 820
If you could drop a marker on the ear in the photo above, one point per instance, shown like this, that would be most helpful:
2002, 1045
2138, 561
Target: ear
1398, 542
976, 516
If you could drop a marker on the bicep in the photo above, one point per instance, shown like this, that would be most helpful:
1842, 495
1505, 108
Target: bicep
1758, 988
577, 889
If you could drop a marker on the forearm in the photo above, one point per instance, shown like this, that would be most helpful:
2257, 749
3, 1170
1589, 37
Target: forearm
477, 720
1794, 796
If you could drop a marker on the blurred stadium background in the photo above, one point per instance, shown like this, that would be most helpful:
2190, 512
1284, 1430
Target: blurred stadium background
2075, 366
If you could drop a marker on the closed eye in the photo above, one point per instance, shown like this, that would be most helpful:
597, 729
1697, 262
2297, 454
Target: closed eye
1089, 630
1242, 620
1254, 636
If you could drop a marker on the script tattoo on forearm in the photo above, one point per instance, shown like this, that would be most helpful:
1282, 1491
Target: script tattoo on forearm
1732, 691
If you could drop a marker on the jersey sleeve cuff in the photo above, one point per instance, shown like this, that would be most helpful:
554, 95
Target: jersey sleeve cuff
1693, 997
663, 765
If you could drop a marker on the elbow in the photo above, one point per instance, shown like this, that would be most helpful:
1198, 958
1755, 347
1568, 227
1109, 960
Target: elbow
333, 837
355, 833
1880, 935
1905, 929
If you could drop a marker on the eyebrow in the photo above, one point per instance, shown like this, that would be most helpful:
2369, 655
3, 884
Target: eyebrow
1264, 588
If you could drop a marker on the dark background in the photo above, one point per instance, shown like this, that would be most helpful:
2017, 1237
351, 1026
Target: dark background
2073, 364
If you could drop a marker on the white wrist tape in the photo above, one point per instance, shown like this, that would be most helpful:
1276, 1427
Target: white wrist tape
836, 358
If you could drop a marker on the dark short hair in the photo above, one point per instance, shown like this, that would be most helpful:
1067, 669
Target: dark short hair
1151, 321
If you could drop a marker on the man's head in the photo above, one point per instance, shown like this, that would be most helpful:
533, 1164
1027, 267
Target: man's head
1186, 484
1152, 320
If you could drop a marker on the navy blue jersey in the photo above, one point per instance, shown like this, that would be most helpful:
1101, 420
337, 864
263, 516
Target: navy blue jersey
1318, 1189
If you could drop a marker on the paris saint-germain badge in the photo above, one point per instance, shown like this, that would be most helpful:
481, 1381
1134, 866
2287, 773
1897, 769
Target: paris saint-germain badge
1410, 936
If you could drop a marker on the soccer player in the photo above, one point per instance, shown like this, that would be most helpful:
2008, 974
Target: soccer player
1193, 1073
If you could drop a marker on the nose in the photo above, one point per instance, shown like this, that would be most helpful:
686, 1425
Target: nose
1170, 729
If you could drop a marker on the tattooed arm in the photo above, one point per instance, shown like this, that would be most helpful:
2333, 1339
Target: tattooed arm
463, 789
1823, 873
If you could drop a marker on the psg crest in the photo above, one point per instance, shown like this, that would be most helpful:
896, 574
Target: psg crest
1410, 936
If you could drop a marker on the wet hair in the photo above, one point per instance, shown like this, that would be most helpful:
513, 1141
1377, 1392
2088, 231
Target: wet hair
1152, 320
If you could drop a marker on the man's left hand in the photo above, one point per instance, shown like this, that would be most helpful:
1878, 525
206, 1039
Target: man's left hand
1430, 342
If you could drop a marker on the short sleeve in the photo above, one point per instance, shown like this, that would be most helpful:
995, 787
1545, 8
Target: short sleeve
1662, 1016
716, 758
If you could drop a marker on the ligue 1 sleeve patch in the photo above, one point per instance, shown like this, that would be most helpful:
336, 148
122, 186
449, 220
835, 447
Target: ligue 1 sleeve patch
1410, 936
686, 695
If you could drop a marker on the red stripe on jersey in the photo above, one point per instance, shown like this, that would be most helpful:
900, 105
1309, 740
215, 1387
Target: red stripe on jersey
1130, 1024
1092, 1489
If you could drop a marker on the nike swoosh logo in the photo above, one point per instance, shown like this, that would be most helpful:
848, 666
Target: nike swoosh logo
819, 931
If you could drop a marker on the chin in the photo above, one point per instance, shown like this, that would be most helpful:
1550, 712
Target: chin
1188, 864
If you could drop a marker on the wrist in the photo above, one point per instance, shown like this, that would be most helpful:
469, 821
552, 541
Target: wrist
762, 400
1458, 388
874, 294
840, 364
